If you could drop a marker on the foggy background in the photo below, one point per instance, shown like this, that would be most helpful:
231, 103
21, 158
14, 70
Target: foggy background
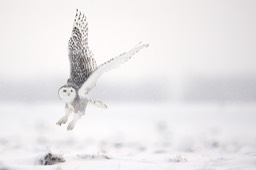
198, 50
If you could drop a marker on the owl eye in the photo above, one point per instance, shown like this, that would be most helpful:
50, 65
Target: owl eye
64, 90
71, 90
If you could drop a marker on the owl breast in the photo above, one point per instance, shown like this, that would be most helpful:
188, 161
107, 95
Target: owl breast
79, 105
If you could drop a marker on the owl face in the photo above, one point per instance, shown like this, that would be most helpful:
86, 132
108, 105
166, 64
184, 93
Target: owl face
67, 94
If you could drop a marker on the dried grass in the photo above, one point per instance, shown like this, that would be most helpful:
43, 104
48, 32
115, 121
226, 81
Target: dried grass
51, 159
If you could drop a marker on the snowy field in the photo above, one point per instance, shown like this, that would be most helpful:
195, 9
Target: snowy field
130, 137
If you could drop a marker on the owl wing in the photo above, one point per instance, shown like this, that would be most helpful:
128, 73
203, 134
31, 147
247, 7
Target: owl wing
112, 63
82, 62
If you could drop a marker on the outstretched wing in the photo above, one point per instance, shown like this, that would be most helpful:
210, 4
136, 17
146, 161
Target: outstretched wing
82, 62
112, 63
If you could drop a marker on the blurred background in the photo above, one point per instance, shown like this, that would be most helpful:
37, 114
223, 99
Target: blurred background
189, 97
199, 50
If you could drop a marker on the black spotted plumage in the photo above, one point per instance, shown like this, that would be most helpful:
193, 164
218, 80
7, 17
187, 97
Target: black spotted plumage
82, 62
84, 72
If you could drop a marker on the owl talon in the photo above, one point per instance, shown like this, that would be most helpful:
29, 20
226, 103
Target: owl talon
73, 122
63, 120
70, 126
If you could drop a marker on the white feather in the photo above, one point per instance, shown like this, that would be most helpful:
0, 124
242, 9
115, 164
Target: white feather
112, 63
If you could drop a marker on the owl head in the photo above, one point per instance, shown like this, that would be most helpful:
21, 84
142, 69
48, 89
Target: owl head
67, 93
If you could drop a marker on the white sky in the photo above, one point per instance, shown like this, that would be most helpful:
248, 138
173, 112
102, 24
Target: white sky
186, 36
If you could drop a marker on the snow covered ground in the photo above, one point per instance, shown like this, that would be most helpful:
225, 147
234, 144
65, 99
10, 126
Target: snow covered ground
164, 136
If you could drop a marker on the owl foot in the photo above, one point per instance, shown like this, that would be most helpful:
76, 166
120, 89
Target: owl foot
63, 120
73, 122
71, 126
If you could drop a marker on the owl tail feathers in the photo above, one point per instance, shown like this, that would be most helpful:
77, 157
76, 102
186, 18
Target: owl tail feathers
99, 104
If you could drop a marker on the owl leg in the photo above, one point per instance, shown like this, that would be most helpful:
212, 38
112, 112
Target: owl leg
72, 124
64, 119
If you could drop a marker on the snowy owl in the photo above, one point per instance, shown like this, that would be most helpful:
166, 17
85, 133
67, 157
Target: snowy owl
84, 72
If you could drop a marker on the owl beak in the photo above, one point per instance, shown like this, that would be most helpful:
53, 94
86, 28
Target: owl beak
68, 94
